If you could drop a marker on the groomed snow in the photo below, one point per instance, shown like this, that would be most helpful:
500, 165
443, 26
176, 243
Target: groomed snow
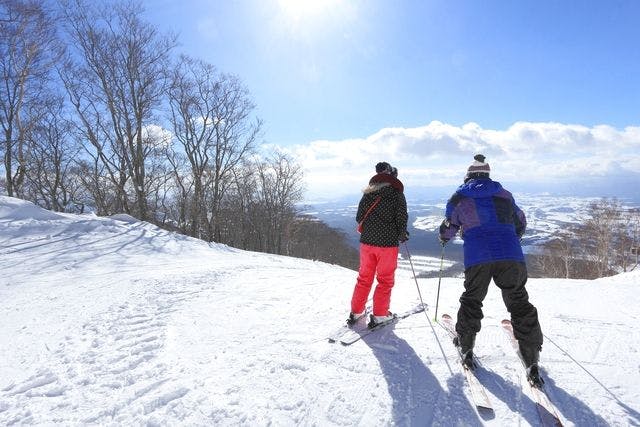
112, 321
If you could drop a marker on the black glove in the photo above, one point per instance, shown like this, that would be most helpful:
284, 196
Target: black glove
403, 237
443, 240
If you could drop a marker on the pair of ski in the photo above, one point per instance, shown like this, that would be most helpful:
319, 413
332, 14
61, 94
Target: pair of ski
546, 411
349, 334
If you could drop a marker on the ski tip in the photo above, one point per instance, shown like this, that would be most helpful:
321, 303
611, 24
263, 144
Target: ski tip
445, 316
505, 322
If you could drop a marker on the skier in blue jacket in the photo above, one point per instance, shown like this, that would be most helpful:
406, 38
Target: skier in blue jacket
491, 225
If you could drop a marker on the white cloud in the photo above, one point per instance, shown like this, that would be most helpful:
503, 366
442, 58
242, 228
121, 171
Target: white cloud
439, 153
157, 135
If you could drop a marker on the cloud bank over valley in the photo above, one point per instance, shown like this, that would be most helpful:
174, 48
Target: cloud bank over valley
543, 157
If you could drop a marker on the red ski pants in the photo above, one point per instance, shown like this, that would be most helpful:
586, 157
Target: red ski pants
380, 262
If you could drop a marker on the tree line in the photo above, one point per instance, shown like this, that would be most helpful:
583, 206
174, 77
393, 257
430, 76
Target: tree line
607, 242
98, 109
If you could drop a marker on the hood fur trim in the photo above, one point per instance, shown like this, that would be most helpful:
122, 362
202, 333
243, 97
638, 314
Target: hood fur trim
375, 186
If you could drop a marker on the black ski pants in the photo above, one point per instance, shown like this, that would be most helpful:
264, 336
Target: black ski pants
510, 277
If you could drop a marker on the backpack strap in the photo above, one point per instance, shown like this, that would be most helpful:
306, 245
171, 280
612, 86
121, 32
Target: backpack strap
367, 213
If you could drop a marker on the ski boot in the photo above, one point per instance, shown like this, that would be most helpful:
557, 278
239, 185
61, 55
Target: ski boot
354, 317
530, 356
378, 320
533, 376
465, 345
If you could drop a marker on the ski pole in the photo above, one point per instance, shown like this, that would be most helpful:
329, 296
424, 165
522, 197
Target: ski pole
439, 280
414, 273
425, 308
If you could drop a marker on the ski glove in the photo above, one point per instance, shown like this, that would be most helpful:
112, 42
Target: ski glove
403, 237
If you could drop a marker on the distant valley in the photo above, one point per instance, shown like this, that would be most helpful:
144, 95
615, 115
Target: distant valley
546, 215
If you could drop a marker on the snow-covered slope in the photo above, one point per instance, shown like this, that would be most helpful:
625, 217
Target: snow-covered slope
114, 321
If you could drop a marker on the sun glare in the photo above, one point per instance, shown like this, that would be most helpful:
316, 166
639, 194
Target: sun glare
298, 10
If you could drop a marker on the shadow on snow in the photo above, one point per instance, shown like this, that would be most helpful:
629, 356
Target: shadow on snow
418, 398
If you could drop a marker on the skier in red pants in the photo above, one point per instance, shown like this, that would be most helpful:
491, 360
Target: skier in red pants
382, 213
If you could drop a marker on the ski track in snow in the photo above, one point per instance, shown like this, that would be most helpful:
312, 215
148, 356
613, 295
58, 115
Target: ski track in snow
112, 367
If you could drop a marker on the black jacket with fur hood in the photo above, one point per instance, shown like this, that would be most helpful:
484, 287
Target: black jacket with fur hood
387, 221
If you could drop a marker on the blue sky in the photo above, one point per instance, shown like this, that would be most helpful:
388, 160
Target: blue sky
330, 75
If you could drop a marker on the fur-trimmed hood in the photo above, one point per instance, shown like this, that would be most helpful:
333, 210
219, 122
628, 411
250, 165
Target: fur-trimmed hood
380, 180
375, 186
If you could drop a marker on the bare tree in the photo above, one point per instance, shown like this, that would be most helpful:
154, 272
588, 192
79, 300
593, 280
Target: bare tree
626, 239
159, 174
597, 235
28, 49
192, 96
240, 214
116, 81
279, 188
211, 118
101, 191
236, 133
259, 213
602, 245
634, 250
51, 153
181, 192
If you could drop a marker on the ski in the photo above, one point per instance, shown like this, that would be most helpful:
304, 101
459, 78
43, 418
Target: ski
546, 410
359, 325
478, 392
360, 330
